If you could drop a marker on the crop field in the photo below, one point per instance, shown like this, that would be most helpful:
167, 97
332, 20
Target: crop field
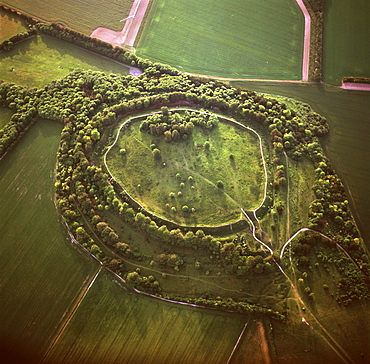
39, 60
41, 274
238, 38
346, 40
112, 325
10, 25
82, 15
191, 173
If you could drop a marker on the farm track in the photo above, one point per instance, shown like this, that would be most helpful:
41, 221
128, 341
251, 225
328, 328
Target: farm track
127, 35
306, 42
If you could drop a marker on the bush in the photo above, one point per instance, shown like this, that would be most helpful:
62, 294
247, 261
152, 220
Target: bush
220, 185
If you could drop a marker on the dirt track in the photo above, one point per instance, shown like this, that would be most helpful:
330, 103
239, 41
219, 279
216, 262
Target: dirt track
356, 86
129, 32
306, 42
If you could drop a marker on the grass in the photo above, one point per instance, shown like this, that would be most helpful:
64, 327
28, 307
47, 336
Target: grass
42, 59
147, 180
113, 325
5, 115
83, 16
41, 273
347, 147
247, 39
10, 25
346, 33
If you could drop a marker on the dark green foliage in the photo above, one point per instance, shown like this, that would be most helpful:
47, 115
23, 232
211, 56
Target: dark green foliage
88, 102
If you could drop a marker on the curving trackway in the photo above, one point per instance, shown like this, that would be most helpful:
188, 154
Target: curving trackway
253, 228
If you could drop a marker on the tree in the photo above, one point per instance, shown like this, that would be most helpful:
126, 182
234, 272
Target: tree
95, 250
167, 135
176, 135
157, 154
95, 134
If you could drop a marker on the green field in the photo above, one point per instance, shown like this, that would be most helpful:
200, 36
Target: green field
10, 25
247, 39
41, 273
42, 59
5, 115
112, 325
149, 182
83, 16
346, 40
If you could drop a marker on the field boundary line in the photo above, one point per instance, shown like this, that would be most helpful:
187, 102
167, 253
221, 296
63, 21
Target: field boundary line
72, 312
237, 341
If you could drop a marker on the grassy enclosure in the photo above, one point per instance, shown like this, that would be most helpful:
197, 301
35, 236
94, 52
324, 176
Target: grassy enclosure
346, 40
39, 60
83, 16
10, 25
203, 180
248, 39
5, 115
41, 273
128, 328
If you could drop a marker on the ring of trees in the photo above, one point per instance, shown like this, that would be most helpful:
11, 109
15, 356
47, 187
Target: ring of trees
89, 103
219, 230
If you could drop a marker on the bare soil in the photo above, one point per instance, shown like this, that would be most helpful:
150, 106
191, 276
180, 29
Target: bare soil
129, 32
